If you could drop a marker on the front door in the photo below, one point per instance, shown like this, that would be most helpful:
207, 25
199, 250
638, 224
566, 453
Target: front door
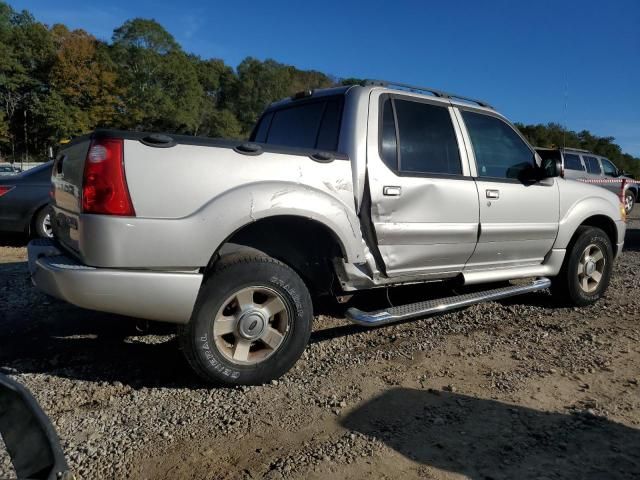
518, 218
614, 182
424, 203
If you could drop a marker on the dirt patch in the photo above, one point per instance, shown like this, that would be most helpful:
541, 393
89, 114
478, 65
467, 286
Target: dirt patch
515, 389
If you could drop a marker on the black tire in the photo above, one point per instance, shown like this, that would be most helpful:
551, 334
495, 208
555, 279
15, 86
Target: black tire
629, 201
566, 287
233, 274
42, 223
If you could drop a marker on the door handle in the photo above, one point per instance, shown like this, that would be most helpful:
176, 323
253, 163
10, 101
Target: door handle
493, 193
391, 191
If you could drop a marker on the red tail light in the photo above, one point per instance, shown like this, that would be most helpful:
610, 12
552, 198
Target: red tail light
104, 188
5, 189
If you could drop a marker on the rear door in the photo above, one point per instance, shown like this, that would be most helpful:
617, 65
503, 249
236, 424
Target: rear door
518, 218
424, 203
594, 170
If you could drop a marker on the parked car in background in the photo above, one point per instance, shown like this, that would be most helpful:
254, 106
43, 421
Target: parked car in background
584, 165
9, 170
24, 201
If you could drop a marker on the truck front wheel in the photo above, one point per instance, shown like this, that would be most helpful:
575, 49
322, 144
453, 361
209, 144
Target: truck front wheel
586, 271
251, 322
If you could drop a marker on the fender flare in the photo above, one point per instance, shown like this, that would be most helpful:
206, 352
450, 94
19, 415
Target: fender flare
579, 212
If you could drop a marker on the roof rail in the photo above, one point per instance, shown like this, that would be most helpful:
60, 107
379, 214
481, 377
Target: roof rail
576, 149
416, 89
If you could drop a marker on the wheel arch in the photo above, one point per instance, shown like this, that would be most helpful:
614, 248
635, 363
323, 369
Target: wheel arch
306, 245
604, 223
33, 215
590, 211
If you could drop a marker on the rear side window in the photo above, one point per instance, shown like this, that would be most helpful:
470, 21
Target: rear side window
572, 162
423, 141
593, 166
388, 142
427, 139
499, 150
313, 125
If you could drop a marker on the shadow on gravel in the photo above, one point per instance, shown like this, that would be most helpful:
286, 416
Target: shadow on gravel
632, 239
13, 240
486, 439
39, 334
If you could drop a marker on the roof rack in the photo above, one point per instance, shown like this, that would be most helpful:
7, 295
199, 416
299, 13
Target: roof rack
576, 149
416, 89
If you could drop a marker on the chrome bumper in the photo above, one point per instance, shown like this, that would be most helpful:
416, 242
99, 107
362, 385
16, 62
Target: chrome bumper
152, 295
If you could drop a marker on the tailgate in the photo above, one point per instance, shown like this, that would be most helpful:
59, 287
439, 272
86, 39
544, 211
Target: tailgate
66, 179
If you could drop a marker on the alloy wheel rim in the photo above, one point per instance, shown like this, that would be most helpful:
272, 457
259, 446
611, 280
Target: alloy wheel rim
46, 225
628, 202
251, 325
591, 268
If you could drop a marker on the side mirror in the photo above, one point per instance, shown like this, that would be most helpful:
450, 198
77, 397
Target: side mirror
551, 167
31, 440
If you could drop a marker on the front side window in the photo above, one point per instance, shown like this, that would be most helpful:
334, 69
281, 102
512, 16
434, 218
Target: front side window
499, 150
572, 162
592, 164
312, 125
609, 168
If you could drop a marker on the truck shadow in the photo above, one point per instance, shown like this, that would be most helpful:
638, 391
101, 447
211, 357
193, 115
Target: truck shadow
487, 439
39, 334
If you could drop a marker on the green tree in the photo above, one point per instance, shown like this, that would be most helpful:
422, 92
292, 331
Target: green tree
82, 85
26, 55
261, 83
160, 82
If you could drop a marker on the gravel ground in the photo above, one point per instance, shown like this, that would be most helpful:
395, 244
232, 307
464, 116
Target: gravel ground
515, 389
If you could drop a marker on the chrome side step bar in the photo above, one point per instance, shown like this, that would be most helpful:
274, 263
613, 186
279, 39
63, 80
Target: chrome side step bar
422, 309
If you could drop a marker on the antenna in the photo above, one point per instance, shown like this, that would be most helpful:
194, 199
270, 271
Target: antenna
566, 108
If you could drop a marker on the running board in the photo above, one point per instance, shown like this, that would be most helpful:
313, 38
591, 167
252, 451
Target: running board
422, 309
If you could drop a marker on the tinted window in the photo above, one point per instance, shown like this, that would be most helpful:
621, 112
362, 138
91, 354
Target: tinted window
572, 162
314, 125
593, 166
499, 150
388, 141
297, 126
427, 139
263, 128
609, 168
328, 134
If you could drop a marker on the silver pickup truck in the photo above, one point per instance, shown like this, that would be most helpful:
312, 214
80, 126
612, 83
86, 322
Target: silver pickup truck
337, 191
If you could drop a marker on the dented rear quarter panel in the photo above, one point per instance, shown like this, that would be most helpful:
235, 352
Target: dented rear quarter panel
189, 199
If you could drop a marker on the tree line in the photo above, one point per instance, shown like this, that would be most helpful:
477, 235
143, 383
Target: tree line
57, 83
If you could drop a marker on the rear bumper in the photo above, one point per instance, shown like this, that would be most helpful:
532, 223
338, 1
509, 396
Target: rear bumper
152, 295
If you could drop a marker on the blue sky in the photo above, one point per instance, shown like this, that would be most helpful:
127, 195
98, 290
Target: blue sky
572, 62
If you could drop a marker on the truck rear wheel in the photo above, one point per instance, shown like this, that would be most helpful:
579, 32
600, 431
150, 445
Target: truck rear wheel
251, 322
586, 271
